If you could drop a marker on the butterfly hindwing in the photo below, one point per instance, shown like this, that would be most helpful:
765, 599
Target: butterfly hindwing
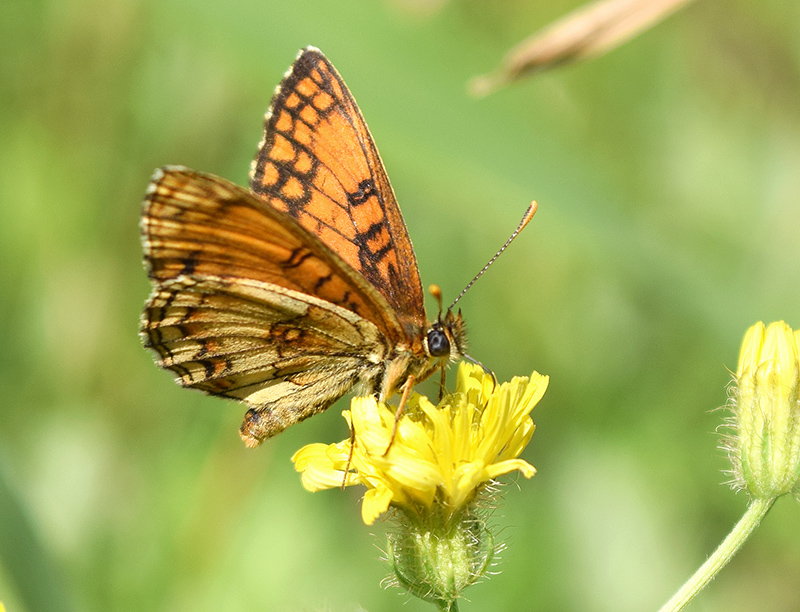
318, 162
286, 354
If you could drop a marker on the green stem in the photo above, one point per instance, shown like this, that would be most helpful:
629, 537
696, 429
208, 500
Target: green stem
720, 557
447, 606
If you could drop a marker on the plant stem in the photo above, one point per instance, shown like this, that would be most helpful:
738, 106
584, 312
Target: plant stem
720, 557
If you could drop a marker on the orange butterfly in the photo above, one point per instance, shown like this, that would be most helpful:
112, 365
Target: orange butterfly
290, 295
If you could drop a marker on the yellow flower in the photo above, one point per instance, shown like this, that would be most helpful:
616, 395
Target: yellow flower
439, 455
765, 449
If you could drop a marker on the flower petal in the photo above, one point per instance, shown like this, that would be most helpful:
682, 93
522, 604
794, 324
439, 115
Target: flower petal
376, 502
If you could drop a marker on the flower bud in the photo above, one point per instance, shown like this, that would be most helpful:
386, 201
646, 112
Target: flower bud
765, 447
438, 557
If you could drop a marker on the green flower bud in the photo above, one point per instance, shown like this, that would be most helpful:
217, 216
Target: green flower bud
437, 556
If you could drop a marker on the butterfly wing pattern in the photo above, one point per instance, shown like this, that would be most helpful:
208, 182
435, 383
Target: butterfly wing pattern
290, 295
318, 162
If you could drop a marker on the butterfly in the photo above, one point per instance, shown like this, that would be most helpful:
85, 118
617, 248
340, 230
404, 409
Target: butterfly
290, 294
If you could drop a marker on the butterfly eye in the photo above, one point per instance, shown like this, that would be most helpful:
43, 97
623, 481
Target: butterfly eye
438, 344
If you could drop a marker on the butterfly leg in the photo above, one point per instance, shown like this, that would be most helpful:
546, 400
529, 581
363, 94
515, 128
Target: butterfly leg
407, 386
349, 456
442, 383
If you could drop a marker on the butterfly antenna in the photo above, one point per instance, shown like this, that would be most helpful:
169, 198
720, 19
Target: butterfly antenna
525, 219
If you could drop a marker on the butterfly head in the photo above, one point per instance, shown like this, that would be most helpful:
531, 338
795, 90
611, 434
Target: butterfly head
446, 338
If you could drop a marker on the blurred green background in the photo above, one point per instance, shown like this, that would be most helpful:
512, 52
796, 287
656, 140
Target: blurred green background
668, 177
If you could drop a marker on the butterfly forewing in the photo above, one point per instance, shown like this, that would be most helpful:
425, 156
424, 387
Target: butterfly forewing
318, 162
